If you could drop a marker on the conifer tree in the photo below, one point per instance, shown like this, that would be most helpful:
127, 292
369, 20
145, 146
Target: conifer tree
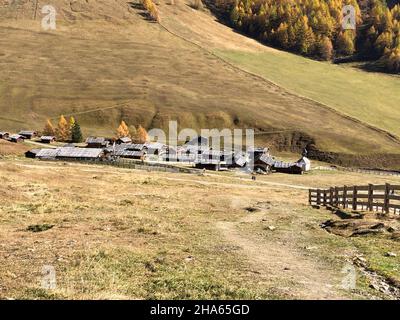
76, 133
63, 129
142, 136
49, 129
123, 130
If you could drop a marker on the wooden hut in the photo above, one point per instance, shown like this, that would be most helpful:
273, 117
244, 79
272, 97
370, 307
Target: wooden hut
71, 153
4, 135
28, 134
47, 139
130, 154
96, 142
124, 140
16, 138
32, 153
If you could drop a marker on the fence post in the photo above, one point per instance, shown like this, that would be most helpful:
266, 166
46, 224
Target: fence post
386, 201
345, 204
318, 197
336, 197
309, 196
324, 198
370, 197
331, 196
355, 198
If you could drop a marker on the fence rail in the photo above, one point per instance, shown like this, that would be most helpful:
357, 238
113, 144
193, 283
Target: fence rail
384, 198
133, 164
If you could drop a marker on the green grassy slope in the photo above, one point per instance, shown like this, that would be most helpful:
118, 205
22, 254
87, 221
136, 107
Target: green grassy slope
371, 97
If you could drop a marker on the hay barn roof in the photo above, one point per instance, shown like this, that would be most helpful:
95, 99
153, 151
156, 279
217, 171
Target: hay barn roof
95, 140
78, 152
29, 132
16, 136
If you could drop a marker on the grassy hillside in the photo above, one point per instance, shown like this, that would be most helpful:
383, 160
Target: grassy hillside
106, 62
370, 97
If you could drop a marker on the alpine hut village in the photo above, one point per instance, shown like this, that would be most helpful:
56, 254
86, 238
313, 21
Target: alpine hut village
67, 143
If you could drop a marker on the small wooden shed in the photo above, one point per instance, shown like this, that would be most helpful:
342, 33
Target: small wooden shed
4, 135
28, 134
47, 139
16, 138
96, 142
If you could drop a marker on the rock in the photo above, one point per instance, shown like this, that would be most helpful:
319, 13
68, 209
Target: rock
311, 248
374, 286
251, 209
272, 228
390, 254
189, 258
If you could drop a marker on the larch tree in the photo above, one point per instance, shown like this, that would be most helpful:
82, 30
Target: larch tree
142, 136
49, 129
345, 43
325, 48
71, 125
123, 130
63, 132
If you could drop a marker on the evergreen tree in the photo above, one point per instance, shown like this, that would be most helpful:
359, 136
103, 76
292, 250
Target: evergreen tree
76, 133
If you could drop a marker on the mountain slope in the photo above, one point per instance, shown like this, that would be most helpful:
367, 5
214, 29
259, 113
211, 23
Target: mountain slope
106, 62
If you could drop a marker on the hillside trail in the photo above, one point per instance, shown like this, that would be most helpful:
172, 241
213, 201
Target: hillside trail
282, 267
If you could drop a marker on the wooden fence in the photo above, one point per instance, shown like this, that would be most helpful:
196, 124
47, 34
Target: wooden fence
385, 198
134, 164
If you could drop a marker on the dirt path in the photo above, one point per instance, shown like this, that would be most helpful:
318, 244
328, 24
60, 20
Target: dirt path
286, 269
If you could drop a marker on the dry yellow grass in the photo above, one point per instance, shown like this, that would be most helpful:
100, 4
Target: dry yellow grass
128, 234
9, 148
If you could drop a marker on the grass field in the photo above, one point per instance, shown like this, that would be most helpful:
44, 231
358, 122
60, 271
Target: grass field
119, 233
371, 97
106, 62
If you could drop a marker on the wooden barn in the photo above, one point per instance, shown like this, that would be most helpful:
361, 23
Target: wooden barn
198, 141
47, 139
28, 134
32, 153
4, 135
130, 154
213, 160
80, 153
96, 142
209, 164
16, 138
71, 153
124, 140
155, 148
46, 153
